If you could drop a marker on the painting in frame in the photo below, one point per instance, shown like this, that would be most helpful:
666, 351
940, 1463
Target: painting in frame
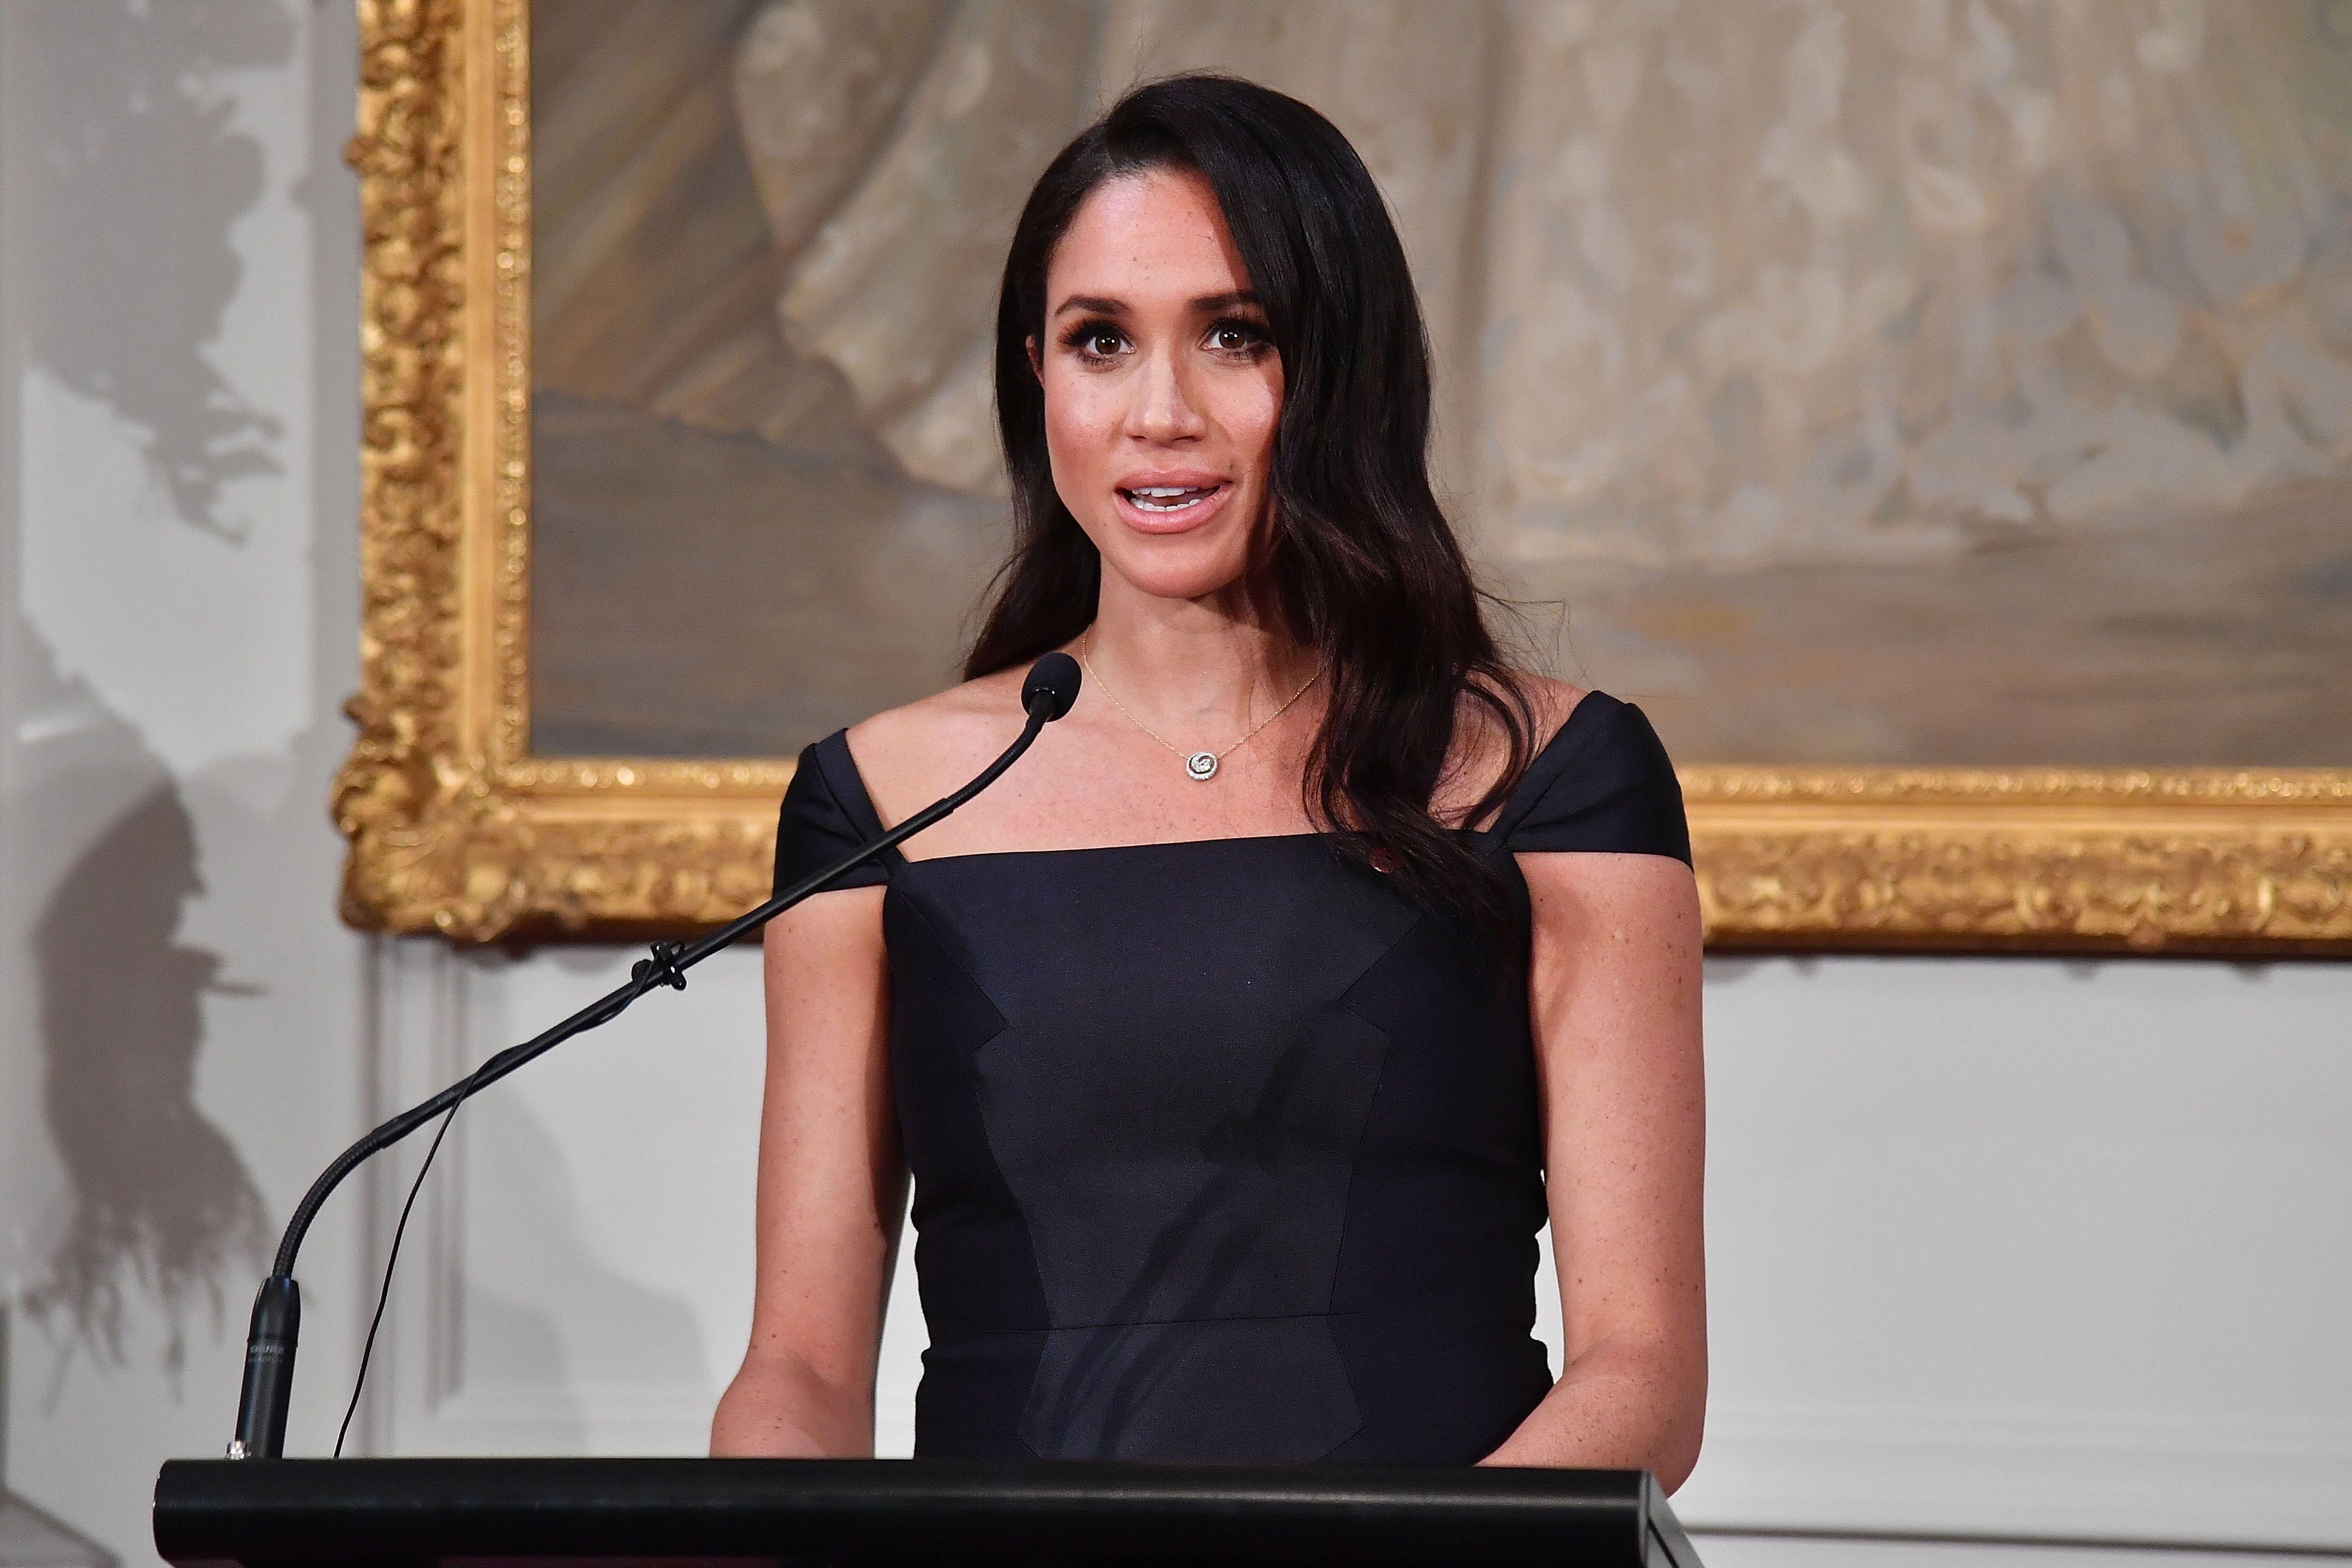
1940, 423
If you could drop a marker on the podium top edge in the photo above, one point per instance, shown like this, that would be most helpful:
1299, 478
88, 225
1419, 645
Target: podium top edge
891, 1512
1163, 1482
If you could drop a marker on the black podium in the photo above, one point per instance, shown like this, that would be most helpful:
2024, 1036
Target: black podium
848, 1513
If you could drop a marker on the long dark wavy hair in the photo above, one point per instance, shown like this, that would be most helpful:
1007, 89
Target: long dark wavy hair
1364, 567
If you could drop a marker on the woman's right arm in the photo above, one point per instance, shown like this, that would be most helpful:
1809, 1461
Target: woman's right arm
832, 1189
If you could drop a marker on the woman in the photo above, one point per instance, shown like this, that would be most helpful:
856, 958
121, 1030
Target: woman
1241, 1038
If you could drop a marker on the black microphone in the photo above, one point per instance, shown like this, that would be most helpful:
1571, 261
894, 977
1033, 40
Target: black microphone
1047, 693
1054, 678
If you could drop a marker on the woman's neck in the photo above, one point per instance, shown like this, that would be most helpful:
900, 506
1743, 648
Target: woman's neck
1219, 663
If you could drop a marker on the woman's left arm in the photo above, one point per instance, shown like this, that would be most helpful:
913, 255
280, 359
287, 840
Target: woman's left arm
1613, 996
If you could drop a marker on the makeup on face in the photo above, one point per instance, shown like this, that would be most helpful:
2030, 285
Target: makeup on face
1162, 384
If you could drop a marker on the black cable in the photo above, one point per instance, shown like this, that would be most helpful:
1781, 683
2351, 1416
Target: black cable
645, 975
662, 968
391, 1261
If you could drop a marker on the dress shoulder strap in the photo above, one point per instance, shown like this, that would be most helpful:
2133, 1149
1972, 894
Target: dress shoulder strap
826, 814
1604, 783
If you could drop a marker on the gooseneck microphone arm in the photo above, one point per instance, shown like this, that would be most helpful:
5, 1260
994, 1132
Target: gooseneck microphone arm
1048, 692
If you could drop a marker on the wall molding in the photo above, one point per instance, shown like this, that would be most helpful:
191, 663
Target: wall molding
2043, 1475
432, 1024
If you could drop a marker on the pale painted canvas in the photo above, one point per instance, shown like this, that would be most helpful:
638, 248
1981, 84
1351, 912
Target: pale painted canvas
1846, 381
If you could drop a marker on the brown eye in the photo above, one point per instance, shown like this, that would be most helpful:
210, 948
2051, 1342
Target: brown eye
1231, 338
1102, 344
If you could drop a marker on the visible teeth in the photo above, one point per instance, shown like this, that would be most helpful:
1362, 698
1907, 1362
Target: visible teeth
1169, 498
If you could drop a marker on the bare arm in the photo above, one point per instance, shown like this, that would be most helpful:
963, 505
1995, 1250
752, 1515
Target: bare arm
832, 1187
1615, 1000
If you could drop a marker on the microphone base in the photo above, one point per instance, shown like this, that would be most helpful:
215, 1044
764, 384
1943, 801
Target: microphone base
269, 1388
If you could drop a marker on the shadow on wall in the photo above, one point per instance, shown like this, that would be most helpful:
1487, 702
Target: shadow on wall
160, 1196
133, 157
126, 138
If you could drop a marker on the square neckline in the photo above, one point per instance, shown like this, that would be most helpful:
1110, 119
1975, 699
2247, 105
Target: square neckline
859, 803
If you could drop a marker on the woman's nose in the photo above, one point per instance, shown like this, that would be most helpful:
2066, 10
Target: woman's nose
1164, 409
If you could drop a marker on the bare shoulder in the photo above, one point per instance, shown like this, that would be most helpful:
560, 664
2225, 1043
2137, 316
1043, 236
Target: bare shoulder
910, 756
1552, 700
1482, 744
1549, 704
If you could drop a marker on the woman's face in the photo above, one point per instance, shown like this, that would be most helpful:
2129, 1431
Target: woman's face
1161, 388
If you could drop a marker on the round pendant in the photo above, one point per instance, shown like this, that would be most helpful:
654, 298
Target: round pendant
1200, 766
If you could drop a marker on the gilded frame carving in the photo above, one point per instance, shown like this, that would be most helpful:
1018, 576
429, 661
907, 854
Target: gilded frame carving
455, 827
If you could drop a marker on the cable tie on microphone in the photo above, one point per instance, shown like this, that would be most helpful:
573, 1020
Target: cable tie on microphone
661, 969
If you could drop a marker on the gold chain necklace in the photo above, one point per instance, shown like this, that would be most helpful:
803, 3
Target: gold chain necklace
1199, 766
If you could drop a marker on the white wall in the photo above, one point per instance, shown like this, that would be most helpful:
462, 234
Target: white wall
180, 1020
2031, 1248
2000, 1247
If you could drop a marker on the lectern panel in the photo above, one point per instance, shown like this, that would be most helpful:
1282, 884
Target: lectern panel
702, 1513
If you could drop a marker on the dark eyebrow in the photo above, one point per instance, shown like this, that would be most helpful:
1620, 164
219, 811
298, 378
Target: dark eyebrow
1096, 304
1208, 302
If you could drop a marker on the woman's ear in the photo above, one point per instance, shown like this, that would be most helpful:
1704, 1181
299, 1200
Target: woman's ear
1036, 366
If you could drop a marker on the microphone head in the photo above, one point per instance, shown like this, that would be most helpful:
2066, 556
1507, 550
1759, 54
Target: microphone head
1052, 681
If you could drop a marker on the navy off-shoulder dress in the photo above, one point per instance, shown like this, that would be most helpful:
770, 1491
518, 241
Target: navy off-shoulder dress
1222, 1150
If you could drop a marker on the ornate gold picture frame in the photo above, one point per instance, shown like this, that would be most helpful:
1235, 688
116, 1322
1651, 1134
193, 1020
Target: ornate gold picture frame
454, 826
